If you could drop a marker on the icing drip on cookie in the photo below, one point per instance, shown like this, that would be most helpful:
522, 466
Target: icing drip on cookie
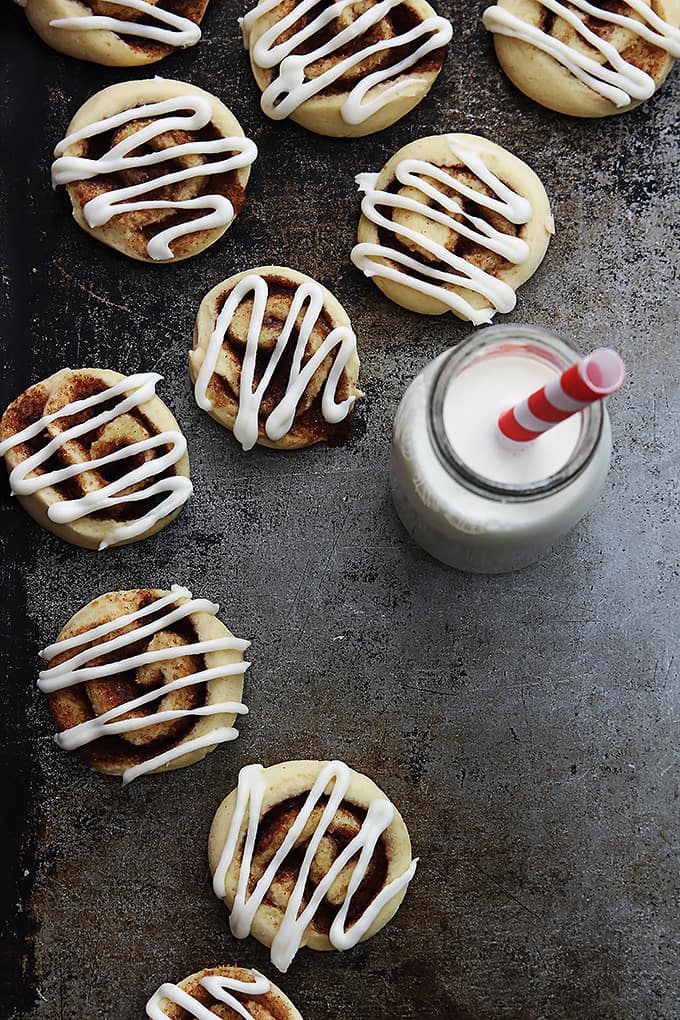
417, 175
308, 301
616, 79
220, 988
76, 670
180, 31
291, 87
99, 210
251, 790
143, 481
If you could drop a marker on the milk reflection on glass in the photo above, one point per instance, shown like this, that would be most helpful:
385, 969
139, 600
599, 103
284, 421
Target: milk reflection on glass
466, 494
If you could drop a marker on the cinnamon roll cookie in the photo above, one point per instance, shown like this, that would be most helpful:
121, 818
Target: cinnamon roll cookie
96, 457
275, 359
452, 223
308, 853
144, 681
587, 59
222, 992
344, 69
156, 169
119, 33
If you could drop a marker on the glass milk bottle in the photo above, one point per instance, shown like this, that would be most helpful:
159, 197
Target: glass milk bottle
467, 495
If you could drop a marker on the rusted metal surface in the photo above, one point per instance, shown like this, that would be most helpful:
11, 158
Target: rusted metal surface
524, 725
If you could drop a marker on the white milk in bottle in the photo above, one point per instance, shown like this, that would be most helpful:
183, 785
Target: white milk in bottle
473, 499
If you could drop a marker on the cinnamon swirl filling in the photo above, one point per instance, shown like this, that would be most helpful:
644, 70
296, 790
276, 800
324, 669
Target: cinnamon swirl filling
275, 360
456, 222
118, 33
343, 828
370, 44
157, 179
151, 28
365, 55
135, 681
97, 454
428, 221
222, 992
308, 853
620, 51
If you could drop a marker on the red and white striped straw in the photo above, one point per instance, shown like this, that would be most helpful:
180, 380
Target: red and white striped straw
592, 378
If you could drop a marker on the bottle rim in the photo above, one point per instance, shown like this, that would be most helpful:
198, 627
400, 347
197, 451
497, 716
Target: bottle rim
536, 342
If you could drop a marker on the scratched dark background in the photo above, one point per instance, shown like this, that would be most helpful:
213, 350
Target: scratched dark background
525, 725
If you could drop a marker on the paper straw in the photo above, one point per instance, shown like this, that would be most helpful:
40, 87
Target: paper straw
592, 378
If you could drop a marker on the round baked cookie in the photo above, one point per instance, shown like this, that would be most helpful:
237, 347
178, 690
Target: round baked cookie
156, 169
368, 64
144, 681
586, 59
96, 457
356, 876
275, 359
225, 991
118, 34
452, 223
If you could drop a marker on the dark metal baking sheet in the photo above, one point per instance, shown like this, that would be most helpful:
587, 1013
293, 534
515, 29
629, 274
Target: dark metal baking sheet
525, 725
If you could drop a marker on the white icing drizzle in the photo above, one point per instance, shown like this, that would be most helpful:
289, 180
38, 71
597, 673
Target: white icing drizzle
75, 670
181, 31
252, 785
289, 89
414, 173
134, 391
99, 210
616, 79
281, 419
218, 987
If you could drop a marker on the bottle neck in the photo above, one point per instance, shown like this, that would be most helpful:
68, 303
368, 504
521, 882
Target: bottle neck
524, 341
